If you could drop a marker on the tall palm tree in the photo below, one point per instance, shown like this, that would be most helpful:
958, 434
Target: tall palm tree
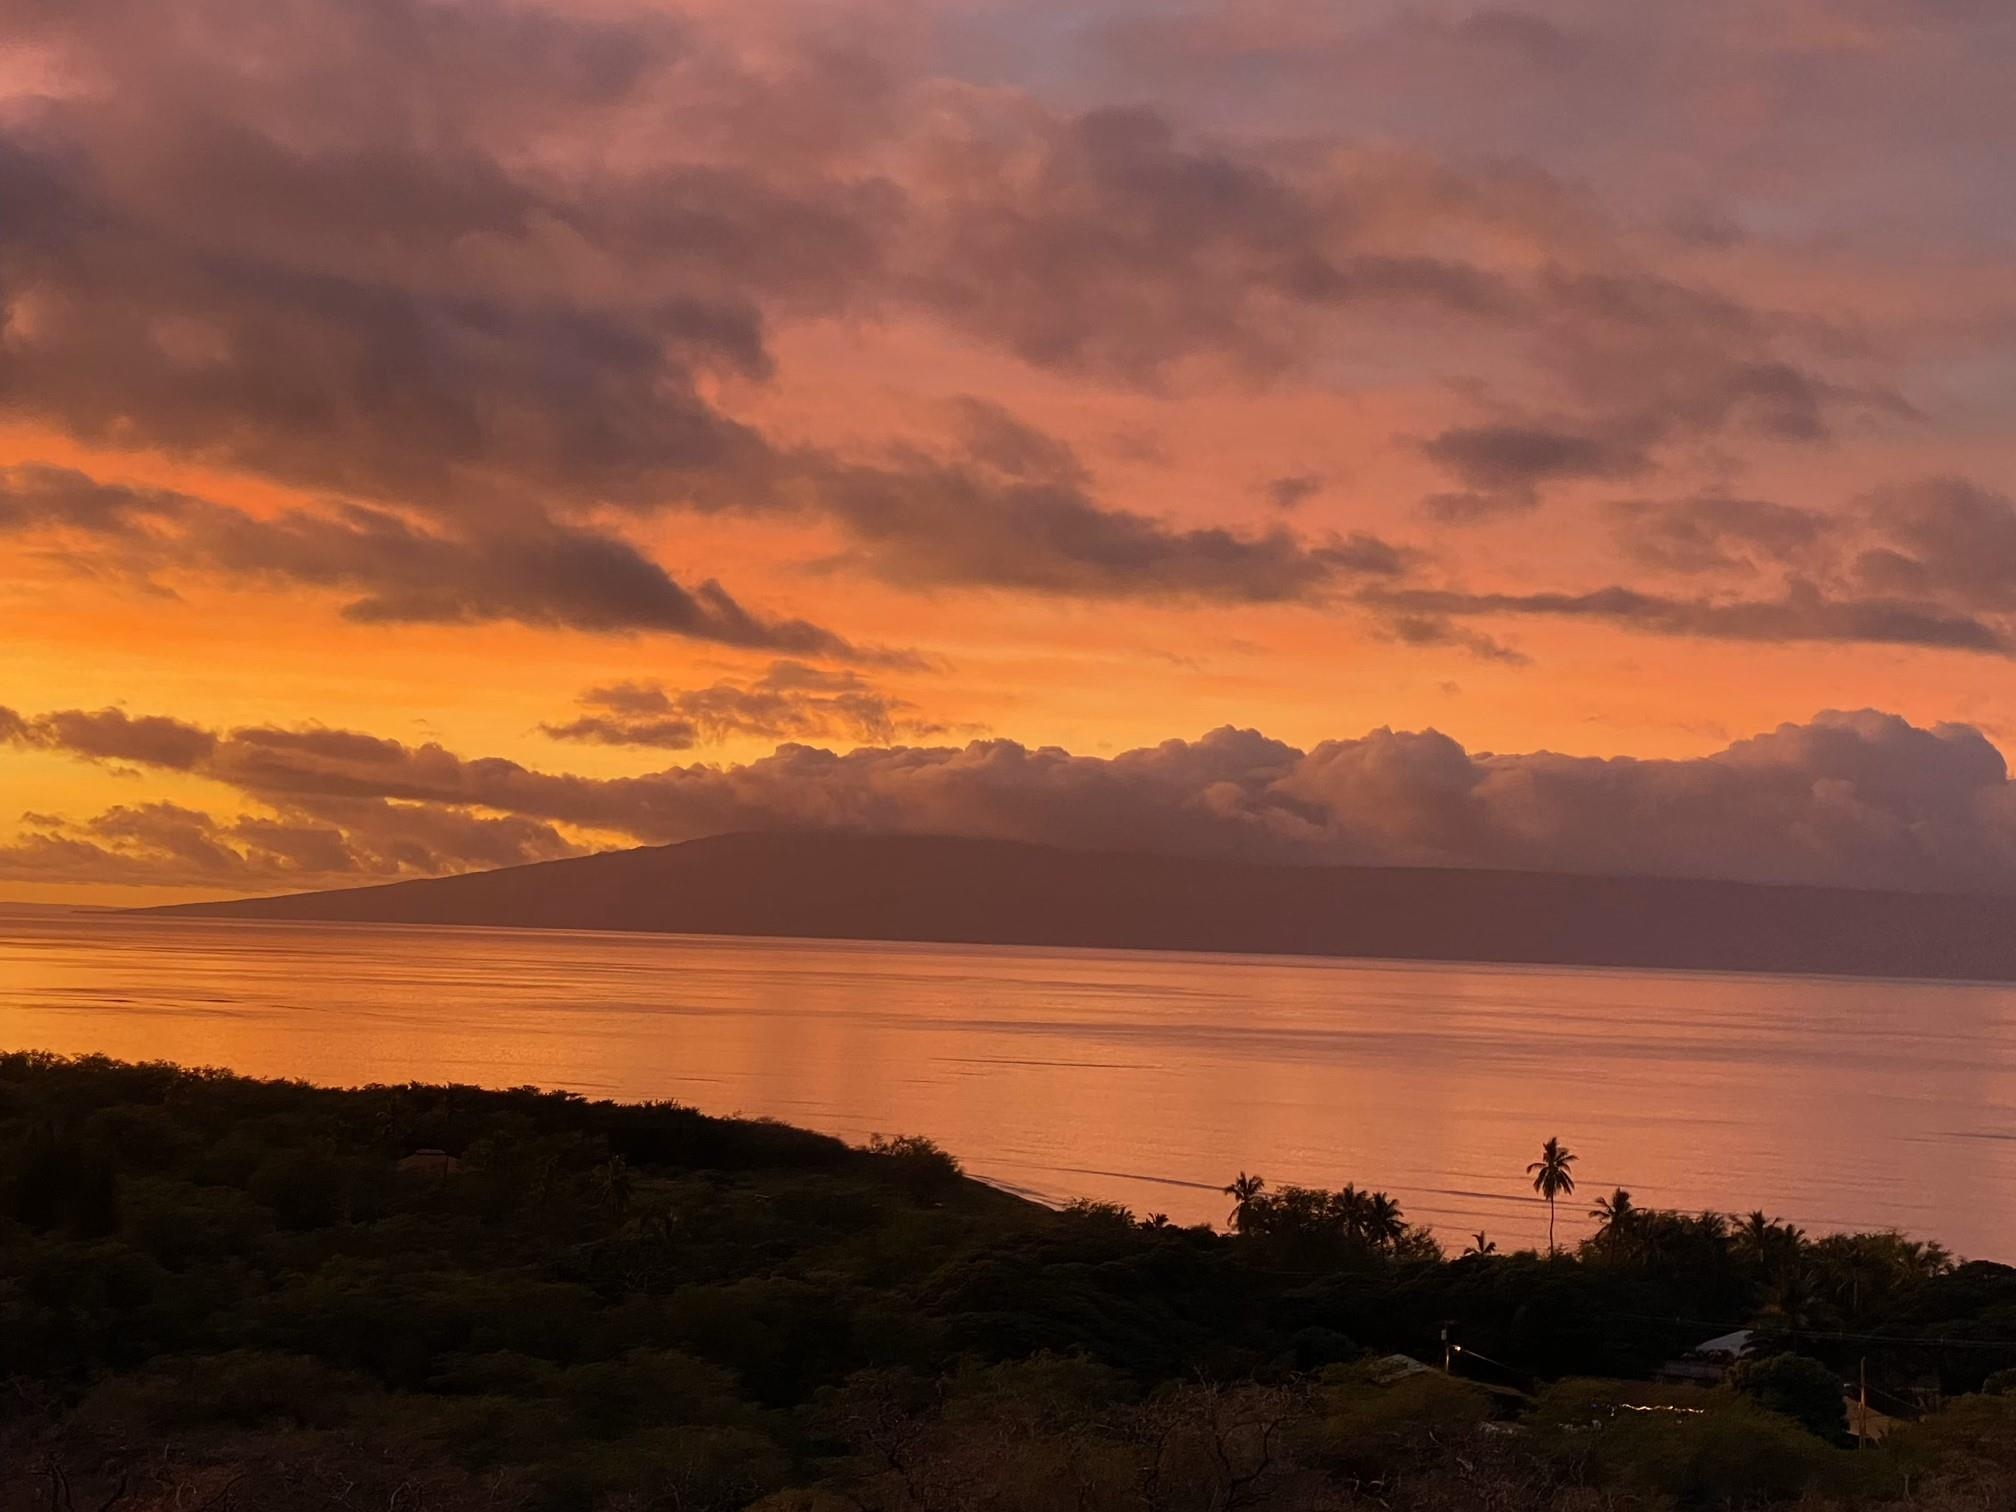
1552, 1179
1242, 1191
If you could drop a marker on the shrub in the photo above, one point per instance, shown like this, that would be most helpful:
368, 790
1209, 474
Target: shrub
1369, 1431
1800, 1387
923, 1170
240, 1389
1731, 1454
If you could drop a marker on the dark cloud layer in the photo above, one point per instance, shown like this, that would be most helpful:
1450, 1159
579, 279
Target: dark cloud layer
1519, 456
926, 524
1928, 564
1855, 798
1803, 613
1943, 536
531, 569
1105, 243
376, 254
428, 294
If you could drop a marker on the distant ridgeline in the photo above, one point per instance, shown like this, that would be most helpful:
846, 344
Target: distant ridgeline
229, 1294
935, 888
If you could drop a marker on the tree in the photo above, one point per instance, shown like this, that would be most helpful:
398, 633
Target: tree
1481, 1243
1617, 1222
928, 1172
1864, 1271
1792, 1302
1766, 1245
1552, 1179
1243, 1191
1799, 1386
1384, 1221
614, 1185
1350, 1209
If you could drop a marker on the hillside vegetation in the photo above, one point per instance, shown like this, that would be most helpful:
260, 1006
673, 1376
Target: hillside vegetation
244, 1296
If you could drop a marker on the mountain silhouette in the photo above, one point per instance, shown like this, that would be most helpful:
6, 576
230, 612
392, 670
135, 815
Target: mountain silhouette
940, 888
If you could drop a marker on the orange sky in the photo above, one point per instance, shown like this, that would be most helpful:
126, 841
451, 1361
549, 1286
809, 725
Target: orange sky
1566, 379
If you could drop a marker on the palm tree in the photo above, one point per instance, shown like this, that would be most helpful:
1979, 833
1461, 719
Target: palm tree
1157, 1221
1766, 1245
1552, 1179
1756, 1239
1617, 1211
1384, 1222
1616, 1220
1243, 1191
1481, 1243
1793, 1300
1351, 1210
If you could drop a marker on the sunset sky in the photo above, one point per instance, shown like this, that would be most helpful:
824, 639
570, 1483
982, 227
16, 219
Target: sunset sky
443, 435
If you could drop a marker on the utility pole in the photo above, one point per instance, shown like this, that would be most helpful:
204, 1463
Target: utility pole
1447, 1352
1862, 1428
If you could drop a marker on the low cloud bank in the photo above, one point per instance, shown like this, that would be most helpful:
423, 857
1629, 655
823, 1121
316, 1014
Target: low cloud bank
1858, 799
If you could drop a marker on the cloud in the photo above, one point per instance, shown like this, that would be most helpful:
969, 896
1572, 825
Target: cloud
1516, 457
152, 740
1927, 564
1864, 799
485, 283
1712, 533
1413, 629
1115, 244
929, 523
1945, 537
535, 571
525, 566
172, 845
1644, 371
789, 701
1008, 506
438, 285
37, 497
1505, 468
1803, 613
428, 289
1293, 490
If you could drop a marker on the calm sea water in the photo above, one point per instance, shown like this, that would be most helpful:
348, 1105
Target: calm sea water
1148, 1079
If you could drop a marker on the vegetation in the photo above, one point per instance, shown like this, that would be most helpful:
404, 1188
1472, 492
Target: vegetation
249, 1296
1552, 1179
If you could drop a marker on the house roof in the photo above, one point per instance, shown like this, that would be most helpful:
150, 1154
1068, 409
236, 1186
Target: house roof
1733, 1344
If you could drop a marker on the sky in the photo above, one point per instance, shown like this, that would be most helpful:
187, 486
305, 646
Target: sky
440, 434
